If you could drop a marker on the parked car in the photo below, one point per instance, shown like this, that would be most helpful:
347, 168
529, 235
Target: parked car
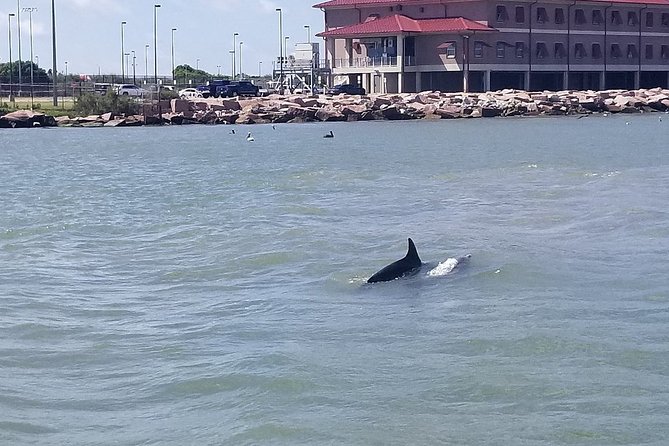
240, 88
188, 93
346, 89
130, 90
212, 88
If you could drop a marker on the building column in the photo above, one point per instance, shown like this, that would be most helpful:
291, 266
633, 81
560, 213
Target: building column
486, 80
637, 80
527, 81
602, 80
419, 82
565, 80
400, 63
330, 54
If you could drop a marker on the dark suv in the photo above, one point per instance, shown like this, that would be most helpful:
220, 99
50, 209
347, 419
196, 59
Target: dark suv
346, 89
240, 88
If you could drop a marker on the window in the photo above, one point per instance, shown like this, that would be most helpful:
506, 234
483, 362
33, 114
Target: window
579, 17
542, 50
616, 18
559, 50
649, 19
632, 52
478, 49
502, 16
501, 50
631, 18
520, 50
665, 19
450, 50
520, 14
597, 17
649, 51
596, 51
559, 16
615, 50
542, 15
664, 51
579, 51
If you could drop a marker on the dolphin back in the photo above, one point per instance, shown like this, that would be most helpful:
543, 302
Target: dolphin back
409, 264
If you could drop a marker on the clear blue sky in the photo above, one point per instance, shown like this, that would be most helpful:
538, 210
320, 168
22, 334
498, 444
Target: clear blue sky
89, 32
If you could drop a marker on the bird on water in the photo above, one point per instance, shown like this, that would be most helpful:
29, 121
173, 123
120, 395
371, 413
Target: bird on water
329, 135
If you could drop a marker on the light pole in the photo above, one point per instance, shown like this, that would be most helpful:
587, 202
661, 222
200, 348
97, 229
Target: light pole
173, 81
311, 50
37, 58
155, 47
241, 73
65, 85
146, 63
232, 54
54, 68
134, 59
197, 64
9, 20
259, 69
18, 21
280, 49
308, 28
234, 46
127, 70
285, 53
123, 23
32, 92
218, 72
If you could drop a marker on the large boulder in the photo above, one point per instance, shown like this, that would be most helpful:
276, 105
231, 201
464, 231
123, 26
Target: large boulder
26, 118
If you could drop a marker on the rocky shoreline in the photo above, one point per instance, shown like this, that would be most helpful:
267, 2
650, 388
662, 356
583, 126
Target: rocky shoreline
406, 106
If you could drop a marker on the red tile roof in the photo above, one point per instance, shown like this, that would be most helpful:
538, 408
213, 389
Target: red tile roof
351, 3
400, 23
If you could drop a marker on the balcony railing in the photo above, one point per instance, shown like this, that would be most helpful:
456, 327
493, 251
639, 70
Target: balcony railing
366, 62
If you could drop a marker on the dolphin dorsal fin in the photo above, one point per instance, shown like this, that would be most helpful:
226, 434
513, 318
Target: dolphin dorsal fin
412, 253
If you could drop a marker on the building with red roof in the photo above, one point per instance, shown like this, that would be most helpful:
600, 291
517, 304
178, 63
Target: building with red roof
477, 45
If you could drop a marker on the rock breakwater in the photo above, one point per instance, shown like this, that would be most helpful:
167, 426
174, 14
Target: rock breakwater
425, 105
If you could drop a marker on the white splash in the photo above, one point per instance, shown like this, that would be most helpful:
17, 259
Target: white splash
443, 268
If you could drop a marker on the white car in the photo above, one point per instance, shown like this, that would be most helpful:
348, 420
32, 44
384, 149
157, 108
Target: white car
130, 90
188, 93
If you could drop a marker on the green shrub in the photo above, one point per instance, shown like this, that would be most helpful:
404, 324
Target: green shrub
93, 104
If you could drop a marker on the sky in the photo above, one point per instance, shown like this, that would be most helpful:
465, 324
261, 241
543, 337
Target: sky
89, 32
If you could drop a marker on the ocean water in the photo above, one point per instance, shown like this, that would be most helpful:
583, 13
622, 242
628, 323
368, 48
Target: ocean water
182, 286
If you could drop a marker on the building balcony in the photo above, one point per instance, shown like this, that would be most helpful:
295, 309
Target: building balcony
373, 62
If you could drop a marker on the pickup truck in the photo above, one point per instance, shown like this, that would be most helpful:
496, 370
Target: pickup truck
212, 89
240, 88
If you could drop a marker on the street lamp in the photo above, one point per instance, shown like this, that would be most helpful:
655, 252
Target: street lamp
197, 64
173, 29
127, 70
259, 69
123, 23
241, 73
9, 20
218, 68
280, 49
234, 46
37, 59
155, 47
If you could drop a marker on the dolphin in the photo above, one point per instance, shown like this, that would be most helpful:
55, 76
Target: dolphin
410, 264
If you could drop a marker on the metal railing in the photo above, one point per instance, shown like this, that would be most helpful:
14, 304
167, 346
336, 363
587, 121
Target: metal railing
366, 62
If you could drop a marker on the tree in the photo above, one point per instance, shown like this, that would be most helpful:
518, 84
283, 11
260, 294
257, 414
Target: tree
185, 73
39, 75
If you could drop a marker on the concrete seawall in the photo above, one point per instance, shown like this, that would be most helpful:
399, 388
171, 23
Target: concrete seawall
424, 105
